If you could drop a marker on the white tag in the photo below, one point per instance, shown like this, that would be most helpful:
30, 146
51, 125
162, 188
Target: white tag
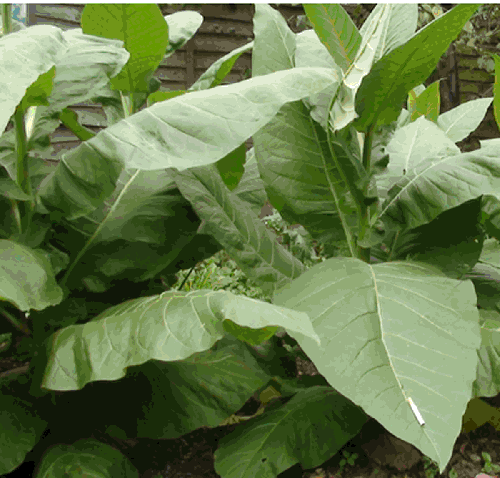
415, 411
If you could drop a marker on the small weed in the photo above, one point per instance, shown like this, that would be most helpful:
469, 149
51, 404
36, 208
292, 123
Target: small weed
489, 467
348, 459
431, 469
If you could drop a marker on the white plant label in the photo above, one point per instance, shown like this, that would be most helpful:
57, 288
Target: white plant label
416, 412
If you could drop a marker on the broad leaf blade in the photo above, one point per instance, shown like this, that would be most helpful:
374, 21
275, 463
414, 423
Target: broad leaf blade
103, 348
438, 184
162, 136
391, 332
145, 45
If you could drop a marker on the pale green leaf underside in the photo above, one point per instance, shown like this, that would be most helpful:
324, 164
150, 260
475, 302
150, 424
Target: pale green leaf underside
164, 134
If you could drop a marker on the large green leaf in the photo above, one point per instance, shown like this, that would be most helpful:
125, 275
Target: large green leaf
163, 136
437, 184
27, 279
155, 328
232, 223
391, 332
318, 423
127, 22
383, 91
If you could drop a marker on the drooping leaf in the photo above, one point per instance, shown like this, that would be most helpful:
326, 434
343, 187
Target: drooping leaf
163, 136
225, 217
201, 390
117, 338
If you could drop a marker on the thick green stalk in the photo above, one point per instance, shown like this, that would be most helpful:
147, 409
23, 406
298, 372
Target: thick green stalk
364, 218
22, 210
6, 10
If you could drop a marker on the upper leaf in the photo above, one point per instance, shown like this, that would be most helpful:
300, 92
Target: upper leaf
182, 26
383, 91
336, 31
127, 22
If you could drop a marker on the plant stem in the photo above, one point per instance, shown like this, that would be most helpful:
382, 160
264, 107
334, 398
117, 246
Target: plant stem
6, 10
364, 218
186, 278
16, 323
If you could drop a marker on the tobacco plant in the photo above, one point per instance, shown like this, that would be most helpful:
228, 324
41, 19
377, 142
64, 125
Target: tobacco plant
348, 143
